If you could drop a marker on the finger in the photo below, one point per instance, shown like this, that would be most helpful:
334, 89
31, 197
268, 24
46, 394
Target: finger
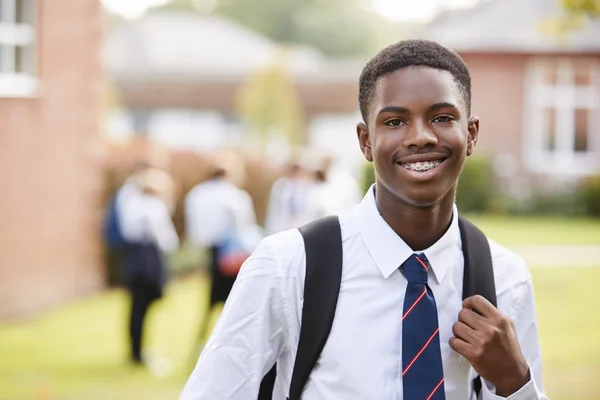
471, 318
481, 305
463, 332
461, 347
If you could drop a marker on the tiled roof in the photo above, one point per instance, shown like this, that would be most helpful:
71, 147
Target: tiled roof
509, 26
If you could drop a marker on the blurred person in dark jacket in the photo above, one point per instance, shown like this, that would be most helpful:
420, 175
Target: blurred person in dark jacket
150, 233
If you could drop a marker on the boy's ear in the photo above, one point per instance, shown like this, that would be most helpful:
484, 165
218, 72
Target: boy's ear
473, 134
364, 140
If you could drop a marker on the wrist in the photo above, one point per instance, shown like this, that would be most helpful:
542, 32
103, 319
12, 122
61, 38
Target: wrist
514, 383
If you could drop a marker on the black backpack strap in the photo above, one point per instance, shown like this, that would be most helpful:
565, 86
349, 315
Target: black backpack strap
478, 277
323, 245
323, 248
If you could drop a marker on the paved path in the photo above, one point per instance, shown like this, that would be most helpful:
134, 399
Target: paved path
560, 256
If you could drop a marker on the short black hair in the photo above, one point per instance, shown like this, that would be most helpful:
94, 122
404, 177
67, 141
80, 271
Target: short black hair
412, 53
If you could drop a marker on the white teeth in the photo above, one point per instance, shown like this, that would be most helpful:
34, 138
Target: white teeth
422, 166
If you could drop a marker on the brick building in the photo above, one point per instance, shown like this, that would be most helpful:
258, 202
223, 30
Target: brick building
537, 94
51, 84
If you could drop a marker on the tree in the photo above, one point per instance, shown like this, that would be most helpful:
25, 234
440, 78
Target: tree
575, 16
268, 104
336, 27
591, 8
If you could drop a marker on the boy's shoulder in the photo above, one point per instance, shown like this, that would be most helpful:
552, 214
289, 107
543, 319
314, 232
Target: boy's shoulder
509, 267
284, 249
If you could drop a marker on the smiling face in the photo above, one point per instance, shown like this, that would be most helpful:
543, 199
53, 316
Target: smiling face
418, 134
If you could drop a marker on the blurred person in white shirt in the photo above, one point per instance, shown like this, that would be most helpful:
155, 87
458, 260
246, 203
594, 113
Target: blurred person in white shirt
215, 211
149, 232
333, 192
287, 200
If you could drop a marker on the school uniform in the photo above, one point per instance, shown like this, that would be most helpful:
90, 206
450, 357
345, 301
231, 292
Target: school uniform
150, 233
212, 209
362, 358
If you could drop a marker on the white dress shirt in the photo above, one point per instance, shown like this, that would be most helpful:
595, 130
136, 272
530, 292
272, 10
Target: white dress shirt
147, 219
362, 359
287, 204
338, 194
215, 206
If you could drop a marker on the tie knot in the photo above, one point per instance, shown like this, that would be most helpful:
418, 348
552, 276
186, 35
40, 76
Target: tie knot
415, 269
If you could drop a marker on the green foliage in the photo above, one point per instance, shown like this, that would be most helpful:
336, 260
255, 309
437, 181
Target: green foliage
268, 103
575, 16
368, 176
337, 27
590, 196
587, 7
578, 201
475, 191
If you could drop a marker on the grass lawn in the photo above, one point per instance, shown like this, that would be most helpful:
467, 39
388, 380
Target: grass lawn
533, 230
569, 329
78, 352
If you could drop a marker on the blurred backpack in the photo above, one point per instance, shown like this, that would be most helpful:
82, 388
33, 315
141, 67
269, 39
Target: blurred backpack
323, 247
236, 248
113, 236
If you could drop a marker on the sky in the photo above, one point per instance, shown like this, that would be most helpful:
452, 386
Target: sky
394, 10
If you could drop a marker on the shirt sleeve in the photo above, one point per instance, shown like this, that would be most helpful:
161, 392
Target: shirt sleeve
525, 320
248, 337
162, 229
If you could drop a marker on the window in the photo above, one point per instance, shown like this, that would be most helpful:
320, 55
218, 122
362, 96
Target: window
17, 48
562, 117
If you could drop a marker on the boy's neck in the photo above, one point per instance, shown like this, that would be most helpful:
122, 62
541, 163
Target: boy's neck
419, 227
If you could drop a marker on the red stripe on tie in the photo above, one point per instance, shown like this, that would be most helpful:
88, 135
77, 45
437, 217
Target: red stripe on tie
435, 389
415, 303
422, 263
420, 352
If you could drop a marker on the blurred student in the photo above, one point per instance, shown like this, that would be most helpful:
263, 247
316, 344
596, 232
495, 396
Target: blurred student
114, 237
333, 191
287, 200
149, 233
220, 217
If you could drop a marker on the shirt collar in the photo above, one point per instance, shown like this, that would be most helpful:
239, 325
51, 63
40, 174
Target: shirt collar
389, 250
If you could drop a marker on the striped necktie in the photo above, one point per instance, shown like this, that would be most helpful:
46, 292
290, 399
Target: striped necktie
422, 370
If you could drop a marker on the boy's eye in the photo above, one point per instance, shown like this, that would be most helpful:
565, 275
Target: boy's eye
443, 119
395, 122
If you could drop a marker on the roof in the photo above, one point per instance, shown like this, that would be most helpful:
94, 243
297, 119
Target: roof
178, 46
509, 26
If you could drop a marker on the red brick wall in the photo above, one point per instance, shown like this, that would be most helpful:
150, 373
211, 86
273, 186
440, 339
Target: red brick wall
497, 99
50, 166
498, 83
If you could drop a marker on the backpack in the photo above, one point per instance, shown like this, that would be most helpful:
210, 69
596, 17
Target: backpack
113, 236
323, 246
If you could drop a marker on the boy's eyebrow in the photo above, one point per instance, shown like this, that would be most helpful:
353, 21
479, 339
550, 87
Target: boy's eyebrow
437, 106
395, 109
433, 107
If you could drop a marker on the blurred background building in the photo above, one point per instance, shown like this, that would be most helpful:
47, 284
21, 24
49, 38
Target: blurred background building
538, 95
51, 166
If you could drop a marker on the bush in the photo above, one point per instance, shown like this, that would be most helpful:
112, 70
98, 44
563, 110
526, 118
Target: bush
368, 177
590, 196
476, 192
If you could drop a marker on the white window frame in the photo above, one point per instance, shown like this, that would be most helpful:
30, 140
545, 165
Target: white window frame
14, 34
564, 97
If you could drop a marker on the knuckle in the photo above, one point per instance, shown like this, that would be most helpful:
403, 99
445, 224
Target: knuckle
463, 314
507, 322
455, 328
